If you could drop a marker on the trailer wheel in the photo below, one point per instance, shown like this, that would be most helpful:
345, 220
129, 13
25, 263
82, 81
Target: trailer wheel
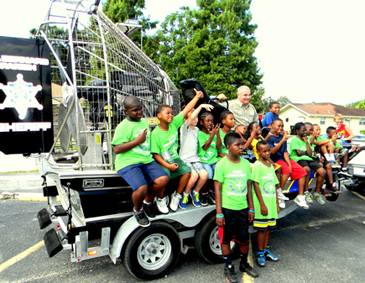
207, 241
332, 197
152, 252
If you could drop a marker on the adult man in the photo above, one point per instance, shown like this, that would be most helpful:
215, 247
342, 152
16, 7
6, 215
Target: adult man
244, 112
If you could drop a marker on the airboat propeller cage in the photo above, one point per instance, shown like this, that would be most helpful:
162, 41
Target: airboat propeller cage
96, 65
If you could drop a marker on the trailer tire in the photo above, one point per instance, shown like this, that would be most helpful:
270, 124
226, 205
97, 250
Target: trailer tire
332, 197
207, 241
152, 252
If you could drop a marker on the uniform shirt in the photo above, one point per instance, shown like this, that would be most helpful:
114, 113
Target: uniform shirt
243, 115
128, 131
266, 178
210, 155
223, 149
234, 179
299, 144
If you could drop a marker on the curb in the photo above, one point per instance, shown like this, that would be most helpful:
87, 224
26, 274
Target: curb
24, 196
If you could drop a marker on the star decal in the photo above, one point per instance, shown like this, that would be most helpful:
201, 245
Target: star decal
21, 96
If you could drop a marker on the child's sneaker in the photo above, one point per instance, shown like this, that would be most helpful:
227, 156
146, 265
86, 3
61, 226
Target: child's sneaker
281, 195
175, 199
204, 199
260, 258
300, 201
211, 196
161, 204
308, 197
149, 209
184, 201
195, 198
318, 198
230, 274
282, 204
246, 267
141, 218
269, 255
333, 188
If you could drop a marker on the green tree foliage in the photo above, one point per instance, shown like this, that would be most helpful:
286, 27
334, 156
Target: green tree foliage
358, 104
214, 44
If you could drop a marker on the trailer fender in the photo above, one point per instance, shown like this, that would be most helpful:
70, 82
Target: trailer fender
190, 217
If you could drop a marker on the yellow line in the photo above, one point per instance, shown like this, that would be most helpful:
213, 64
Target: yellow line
292, 182
360, 196
246, 278
20, 256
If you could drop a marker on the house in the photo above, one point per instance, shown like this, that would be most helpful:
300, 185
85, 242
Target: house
321, 114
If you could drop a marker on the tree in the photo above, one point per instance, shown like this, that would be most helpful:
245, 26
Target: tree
214, 44
358, 104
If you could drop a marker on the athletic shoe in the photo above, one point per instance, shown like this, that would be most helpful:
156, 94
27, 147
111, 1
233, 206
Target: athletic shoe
318, 198
211, 196
261, 259
141, 218
204, 199
230, 274
149, 209
246, 267
324, 191
300, 201
195, 198
269, 255
162, 205
333, 188
281, 195
345, 169
175, 200
282, 204
335, 165
184, 201
308, 197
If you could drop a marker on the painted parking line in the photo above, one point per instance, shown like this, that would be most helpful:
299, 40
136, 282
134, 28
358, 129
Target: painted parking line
360, 196
20, 256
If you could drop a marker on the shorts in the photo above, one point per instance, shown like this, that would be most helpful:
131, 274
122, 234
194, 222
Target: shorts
181, 169
137, 175
312, 164
210, 169
325, 162
264, 224
196, 167
297, 170
236, 227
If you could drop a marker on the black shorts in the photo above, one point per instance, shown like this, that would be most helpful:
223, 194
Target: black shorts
236, 227
312, 164
325, 162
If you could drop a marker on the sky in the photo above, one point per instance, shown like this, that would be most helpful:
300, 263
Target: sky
309, 51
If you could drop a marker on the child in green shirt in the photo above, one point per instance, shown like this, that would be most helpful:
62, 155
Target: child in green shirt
164, 144
135, 164
228, 122
265, 200
234, 204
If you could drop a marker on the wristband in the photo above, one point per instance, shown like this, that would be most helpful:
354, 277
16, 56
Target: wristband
219, 215
270, 134
253, 211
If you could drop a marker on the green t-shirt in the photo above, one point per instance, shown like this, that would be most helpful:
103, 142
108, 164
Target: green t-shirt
210, 155
234, 178
167, 140
266, 178
299, 144
128, 131
223, 149
312, 146
338, 145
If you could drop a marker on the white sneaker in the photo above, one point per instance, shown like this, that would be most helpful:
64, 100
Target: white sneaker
282, 204
300, 201
175, 200
308, 197
281, 195
162, 205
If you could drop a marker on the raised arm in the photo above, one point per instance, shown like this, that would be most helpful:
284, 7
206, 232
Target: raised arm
191, 104
195, 114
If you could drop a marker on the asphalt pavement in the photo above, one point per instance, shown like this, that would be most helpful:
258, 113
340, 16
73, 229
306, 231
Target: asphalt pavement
322, 244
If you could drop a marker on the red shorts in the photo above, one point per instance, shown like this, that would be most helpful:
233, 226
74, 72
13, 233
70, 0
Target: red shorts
297, 170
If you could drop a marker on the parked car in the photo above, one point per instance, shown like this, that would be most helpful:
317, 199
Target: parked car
359, 139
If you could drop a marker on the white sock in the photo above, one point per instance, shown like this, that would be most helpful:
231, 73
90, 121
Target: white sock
145, 202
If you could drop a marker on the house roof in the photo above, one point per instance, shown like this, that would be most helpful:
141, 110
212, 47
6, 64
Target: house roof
326, 109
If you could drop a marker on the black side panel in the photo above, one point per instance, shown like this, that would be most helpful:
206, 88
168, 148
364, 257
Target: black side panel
25, 96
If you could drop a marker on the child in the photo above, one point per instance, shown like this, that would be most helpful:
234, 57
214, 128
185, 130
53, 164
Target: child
228, 122
343, 131
265, 201
234, 204
274, 109
164, 142
209, 142
300, 151
279, 155
247, 154
189, 154
337, 147
135, 164
323, 143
